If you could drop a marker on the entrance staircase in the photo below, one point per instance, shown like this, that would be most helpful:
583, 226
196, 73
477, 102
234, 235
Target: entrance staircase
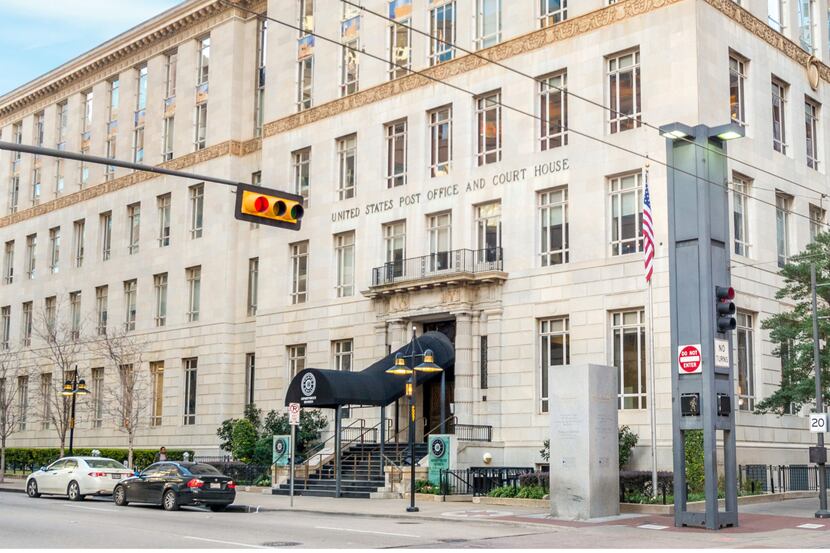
361, 471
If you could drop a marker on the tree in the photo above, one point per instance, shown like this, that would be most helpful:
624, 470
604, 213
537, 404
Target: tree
791, 331
8, 394
128, 400
62, 348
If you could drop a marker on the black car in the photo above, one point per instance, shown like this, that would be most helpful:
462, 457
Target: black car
173, 484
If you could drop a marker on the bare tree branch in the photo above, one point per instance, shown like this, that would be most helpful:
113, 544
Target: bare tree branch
9, 418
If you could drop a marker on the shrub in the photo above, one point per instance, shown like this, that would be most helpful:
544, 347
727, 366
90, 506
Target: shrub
627, 440
538, 479
636, 485
504, 491
531, 492
695, 475
38, 457
545, 451
244, 440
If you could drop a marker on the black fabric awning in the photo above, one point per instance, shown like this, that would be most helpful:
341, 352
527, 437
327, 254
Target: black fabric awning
372, 386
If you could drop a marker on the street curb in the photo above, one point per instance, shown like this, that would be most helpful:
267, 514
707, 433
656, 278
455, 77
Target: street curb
12, 490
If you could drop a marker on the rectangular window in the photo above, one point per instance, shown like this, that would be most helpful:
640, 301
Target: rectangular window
190, 380
45, 397
22, 401
488, 23
775, 15
344, 254
396, 135
783, 207
141, 89
200, 129
299, 272
488, 121
31, 255
14, 193
306, 11
106, 235
160, 289
253, 285
442, 33
170, 62
163, 204
26, 324
805, 24
553, 226
349, 66
343, 350
301, 162
6, 323
130, 291
346, 157
305, 80
483, 362
250, 378
8, 262
36, 179
394, 239
553, 110
628, 332
203, 62
488, 234
741, 187
197, 203
626, 214
50, 311
261, 56
400, 48
624, 91
817, 224
98, 394
138, 145
737, 79
745, 356
75, 315
59, 176
811, 133
194, 285
133, 227
440, 136
101, 300
552, 12
54, 249
554, 338
168, 125
62, 121
157, 383
296, 359
779, 98
439, 228
78, 231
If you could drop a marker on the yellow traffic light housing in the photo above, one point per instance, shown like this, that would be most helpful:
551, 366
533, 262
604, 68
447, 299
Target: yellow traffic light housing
269, 207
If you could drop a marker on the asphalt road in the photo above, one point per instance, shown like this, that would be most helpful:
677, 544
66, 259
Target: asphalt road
98, 523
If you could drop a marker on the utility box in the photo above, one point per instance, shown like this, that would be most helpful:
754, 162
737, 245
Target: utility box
584, 453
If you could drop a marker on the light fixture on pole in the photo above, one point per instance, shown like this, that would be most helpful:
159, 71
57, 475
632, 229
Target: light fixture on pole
73, 388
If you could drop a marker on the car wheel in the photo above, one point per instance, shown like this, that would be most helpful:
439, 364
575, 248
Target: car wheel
31, 488
170, 502
74, 492
120, 496
218, 508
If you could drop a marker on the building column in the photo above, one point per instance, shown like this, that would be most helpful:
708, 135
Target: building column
491, 408
397, 334
380, 346
464, 370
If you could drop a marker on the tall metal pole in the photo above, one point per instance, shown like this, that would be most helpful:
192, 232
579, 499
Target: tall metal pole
293, 453
822, 476
412, 508
443, 401
651, 384
72, 414
382, 437
337, 425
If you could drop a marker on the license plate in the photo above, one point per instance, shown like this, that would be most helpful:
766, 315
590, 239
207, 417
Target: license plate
116, 477
215, 485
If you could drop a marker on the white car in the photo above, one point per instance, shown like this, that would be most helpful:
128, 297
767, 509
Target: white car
76, 477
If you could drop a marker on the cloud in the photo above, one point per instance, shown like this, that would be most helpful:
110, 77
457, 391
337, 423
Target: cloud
86, 13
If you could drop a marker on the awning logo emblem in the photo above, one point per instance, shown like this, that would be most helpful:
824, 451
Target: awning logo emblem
308, 384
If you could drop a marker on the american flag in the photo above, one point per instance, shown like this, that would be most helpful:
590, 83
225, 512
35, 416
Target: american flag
648, 230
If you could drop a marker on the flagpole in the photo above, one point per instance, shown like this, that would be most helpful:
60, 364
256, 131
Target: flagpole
652, 378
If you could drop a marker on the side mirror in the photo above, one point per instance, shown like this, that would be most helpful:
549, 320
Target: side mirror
42, 469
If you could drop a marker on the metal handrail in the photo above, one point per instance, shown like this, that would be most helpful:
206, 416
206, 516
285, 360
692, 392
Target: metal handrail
316, 451
438, 263
452, 418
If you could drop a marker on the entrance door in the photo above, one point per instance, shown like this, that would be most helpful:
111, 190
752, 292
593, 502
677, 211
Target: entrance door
432, 389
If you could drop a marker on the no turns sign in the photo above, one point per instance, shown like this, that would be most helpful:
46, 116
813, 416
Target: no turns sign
689, 359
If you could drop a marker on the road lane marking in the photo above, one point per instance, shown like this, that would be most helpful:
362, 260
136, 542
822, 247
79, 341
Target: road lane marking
226, 542
652, 527
809, 526
366, 531
91, 508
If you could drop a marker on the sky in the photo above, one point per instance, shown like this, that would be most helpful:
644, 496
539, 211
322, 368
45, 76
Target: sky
38, 35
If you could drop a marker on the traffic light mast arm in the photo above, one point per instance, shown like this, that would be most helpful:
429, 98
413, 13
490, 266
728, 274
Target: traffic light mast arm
97, 160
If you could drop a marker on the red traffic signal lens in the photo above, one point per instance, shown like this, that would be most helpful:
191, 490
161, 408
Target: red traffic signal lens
261, 204
725, 293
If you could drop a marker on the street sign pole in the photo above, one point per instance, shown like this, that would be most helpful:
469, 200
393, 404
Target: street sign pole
293, 453
822, 474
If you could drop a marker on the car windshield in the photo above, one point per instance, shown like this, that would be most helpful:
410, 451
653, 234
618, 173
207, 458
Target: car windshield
200, 468
104, 464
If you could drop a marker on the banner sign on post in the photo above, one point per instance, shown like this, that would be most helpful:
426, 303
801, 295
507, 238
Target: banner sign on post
294, 414
281, 450
439, 457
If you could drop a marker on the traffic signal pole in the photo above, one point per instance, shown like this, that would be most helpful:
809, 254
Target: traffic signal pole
822, 469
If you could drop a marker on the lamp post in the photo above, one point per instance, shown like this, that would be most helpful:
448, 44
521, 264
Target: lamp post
73, 388
401, 368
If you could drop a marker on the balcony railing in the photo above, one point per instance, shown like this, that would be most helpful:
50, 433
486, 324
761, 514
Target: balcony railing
438, 264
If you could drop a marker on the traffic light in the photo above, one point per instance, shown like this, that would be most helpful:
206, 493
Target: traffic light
269, 207
724, 308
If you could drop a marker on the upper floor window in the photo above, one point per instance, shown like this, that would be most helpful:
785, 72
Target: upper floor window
27, 320
296, 359
101, 301
112, 109
488, 23
31, 257
8, 262
439, 229
553, 110
740, 214
442, 33
301, 164
106, 235
400, 46
160, 290
805, 24
817, 221
261, 56
783, 207
628, 334
141, 90
62, 121
134, 227
203, 62
779, 99
745, 361
306, 10
737, 78
626, 214
171, 61
253, 285
163, 204
488, 233
394, 239
811, 124
552, 11
553, 226
488, 122
194, 287
624, 90
200, 128
396, 153
299, 272
305, 75
775, 14
54, 249
130, 291
197, 203
343, 351
346, 159
86, 120
440, 137
344, 254
349, 60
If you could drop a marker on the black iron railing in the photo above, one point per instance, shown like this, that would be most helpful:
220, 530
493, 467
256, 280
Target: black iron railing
779, 478
473, 432
480, 480
441, 263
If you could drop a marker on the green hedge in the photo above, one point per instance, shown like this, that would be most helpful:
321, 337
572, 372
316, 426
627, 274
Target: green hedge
37, 457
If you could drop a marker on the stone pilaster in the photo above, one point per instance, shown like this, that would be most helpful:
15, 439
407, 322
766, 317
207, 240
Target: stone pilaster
464, 369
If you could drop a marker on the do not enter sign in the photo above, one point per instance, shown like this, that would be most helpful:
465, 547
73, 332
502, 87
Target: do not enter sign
690, 359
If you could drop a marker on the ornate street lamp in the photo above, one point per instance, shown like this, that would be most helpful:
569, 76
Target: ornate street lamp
73, 388
401, 368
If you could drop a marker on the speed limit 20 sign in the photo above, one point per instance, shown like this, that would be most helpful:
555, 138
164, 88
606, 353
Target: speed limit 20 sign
689, 359
819, 422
